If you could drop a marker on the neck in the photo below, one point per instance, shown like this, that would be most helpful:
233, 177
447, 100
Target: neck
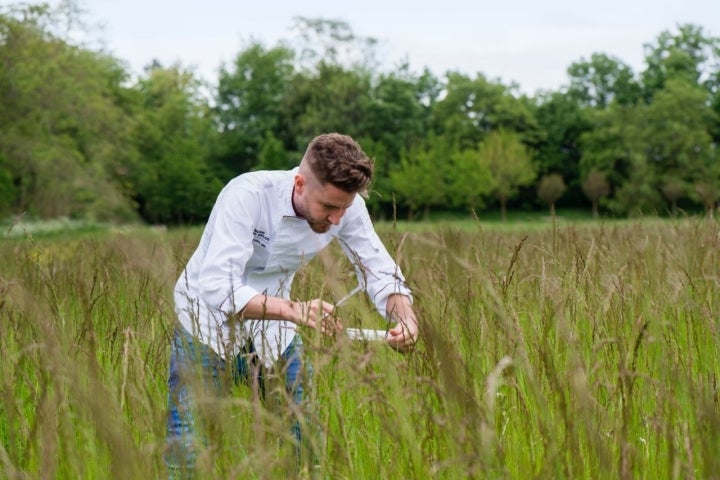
294, 203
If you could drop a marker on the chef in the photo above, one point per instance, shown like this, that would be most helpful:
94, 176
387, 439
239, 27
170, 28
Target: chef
233, 300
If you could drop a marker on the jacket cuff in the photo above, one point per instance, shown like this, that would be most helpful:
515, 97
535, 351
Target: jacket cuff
239, 299
381, 298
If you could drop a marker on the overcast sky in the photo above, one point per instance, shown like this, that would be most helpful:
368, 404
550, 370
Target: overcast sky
529, 42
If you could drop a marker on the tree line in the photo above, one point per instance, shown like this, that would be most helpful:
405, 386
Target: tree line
81, 137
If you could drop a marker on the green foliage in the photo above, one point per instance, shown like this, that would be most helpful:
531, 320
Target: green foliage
550, 189
8, 192
609, 146
251, 101
472, 108
470, 182
334, 100
563, 122
380, 193
62, 129
601, 81
689, 56
395, 115
640, 148
419, 180
509, 163
172, 181
595, 187
273, 156
638, 194
677, 125
79, 139
706, 182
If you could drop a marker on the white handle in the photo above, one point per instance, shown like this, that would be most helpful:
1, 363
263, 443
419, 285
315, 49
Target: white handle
367, 334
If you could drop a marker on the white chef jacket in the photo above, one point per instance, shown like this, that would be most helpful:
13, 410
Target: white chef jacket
254, 243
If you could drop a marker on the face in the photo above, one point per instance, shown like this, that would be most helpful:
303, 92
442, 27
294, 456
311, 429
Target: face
320, 205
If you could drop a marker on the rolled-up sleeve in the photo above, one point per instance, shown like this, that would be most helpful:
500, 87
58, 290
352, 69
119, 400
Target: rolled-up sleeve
375, 268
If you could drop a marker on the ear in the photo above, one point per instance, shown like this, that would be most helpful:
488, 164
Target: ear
300, 183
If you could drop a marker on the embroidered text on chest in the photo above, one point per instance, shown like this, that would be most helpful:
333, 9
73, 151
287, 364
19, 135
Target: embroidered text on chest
260, 238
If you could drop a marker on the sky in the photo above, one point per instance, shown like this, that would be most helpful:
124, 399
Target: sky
527, 42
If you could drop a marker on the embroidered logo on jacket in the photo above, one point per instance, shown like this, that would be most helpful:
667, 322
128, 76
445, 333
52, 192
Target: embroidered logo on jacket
260, 238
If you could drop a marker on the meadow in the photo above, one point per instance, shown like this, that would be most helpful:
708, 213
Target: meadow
565, 350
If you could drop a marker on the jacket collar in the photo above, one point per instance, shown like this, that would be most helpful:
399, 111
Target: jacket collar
286, 193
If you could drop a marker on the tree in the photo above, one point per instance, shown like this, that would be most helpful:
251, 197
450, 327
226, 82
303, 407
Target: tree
616, 148
332, 42
509, 163
708, 192
419, 179
595, 186
252, 100
470, 182
673, 189
638, 193
647, 149
273, 156
64, 131
550, 189
472, 108
396, 119
706, 182
395, 114
687, 55
562, 122
678, 121
602, 80
8, 194
331, 99
173, 181
714, 86
380, 198
333, 89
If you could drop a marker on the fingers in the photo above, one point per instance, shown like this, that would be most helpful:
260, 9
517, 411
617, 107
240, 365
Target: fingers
330, 325
403, 336
319, 315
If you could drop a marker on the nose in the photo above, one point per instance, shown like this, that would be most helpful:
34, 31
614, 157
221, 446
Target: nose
335, 217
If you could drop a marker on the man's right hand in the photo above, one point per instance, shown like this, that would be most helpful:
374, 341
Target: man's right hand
316, 314
312, 313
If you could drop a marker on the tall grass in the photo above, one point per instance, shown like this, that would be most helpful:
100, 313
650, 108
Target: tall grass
575, 351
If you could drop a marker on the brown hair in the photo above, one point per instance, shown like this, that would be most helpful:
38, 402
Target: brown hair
338, 159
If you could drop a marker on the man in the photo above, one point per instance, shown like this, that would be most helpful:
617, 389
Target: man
233, 298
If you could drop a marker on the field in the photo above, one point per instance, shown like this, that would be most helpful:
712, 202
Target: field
565, 350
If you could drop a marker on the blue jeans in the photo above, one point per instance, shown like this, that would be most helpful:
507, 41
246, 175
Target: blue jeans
196, 368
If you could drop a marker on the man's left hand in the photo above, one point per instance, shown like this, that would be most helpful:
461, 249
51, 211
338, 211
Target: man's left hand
404, 335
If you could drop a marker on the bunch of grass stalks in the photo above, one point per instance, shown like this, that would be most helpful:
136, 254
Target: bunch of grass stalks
574, 351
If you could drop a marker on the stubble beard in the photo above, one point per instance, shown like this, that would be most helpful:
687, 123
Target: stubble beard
315, 225
318, 227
